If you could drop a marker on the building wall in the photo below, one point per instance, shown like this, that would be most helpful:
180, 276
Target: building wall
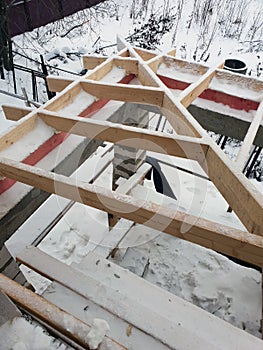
25, 15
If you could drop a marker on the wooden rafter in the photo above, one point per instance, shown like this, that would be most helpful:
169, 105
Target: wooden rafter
203, 232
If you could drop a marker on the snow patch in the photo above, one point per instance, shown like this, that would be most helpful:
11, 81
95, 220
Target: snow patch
98, 330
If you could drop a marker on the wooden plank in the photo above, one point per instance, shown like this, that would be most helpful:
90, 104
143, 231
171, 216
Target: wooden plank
92, 61
156, 141
16, 113
145, 54
179, 118
86, 310
100, 71
134, 180
155, 62
16, 132
249, 138
128, 63
194, 90
238, 191
122, 92
163, 315
227, 240
171, 52
62, 321
57, 84
64, 98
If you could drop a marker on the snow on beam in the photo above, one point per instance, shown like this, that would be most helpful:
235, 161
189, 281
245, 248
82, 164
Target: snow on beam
18, 131
128, 136
55, 317
236, 243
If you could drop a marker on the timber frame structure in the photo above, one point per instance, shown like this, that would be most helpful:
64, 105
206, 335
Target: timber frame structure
190, 141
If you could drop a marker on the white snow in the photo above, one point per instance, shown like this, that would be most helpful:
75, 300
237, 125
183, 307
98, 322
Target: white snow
79, 104
98, 330
20, 334
29, 142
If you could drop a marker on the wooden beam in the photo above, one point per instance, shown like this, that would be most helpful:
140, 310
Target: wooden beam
19, 130
53, 316
57, 84
236, 243
124, 92
171, 52
92, 61
238, 191
16, 113
64, 98
144, 54
100, 71
249, 138
194, 90
155, 62
180, 146
128, 63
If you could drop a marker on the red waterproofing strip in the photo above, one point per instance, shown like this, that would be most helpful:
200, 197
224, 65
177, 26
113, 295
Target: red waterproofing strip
215, 96
56, 139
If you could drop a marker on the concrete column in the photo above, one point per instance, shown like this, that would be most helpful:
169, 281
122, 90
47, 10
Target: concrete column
127, 159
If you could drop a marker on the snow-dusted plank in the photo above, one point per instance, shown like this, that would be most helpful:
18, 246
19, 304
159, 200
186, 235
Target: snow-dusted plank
128, 136
236, 243
249, 138
124, 92
16, 132
157, 312
195, 89
62, 321
16, 113
129, 336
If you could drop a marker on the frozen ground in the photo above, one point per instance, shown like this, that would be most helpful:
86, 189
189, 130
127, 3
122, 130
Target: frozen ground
201, 276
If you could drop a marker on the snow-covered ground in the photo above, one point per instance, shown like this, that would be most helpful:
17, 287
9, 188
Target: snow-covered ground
199, 275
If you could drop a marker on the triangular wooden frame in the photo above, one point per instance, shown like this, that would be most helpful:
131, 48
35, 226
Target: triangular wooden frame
191, 141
